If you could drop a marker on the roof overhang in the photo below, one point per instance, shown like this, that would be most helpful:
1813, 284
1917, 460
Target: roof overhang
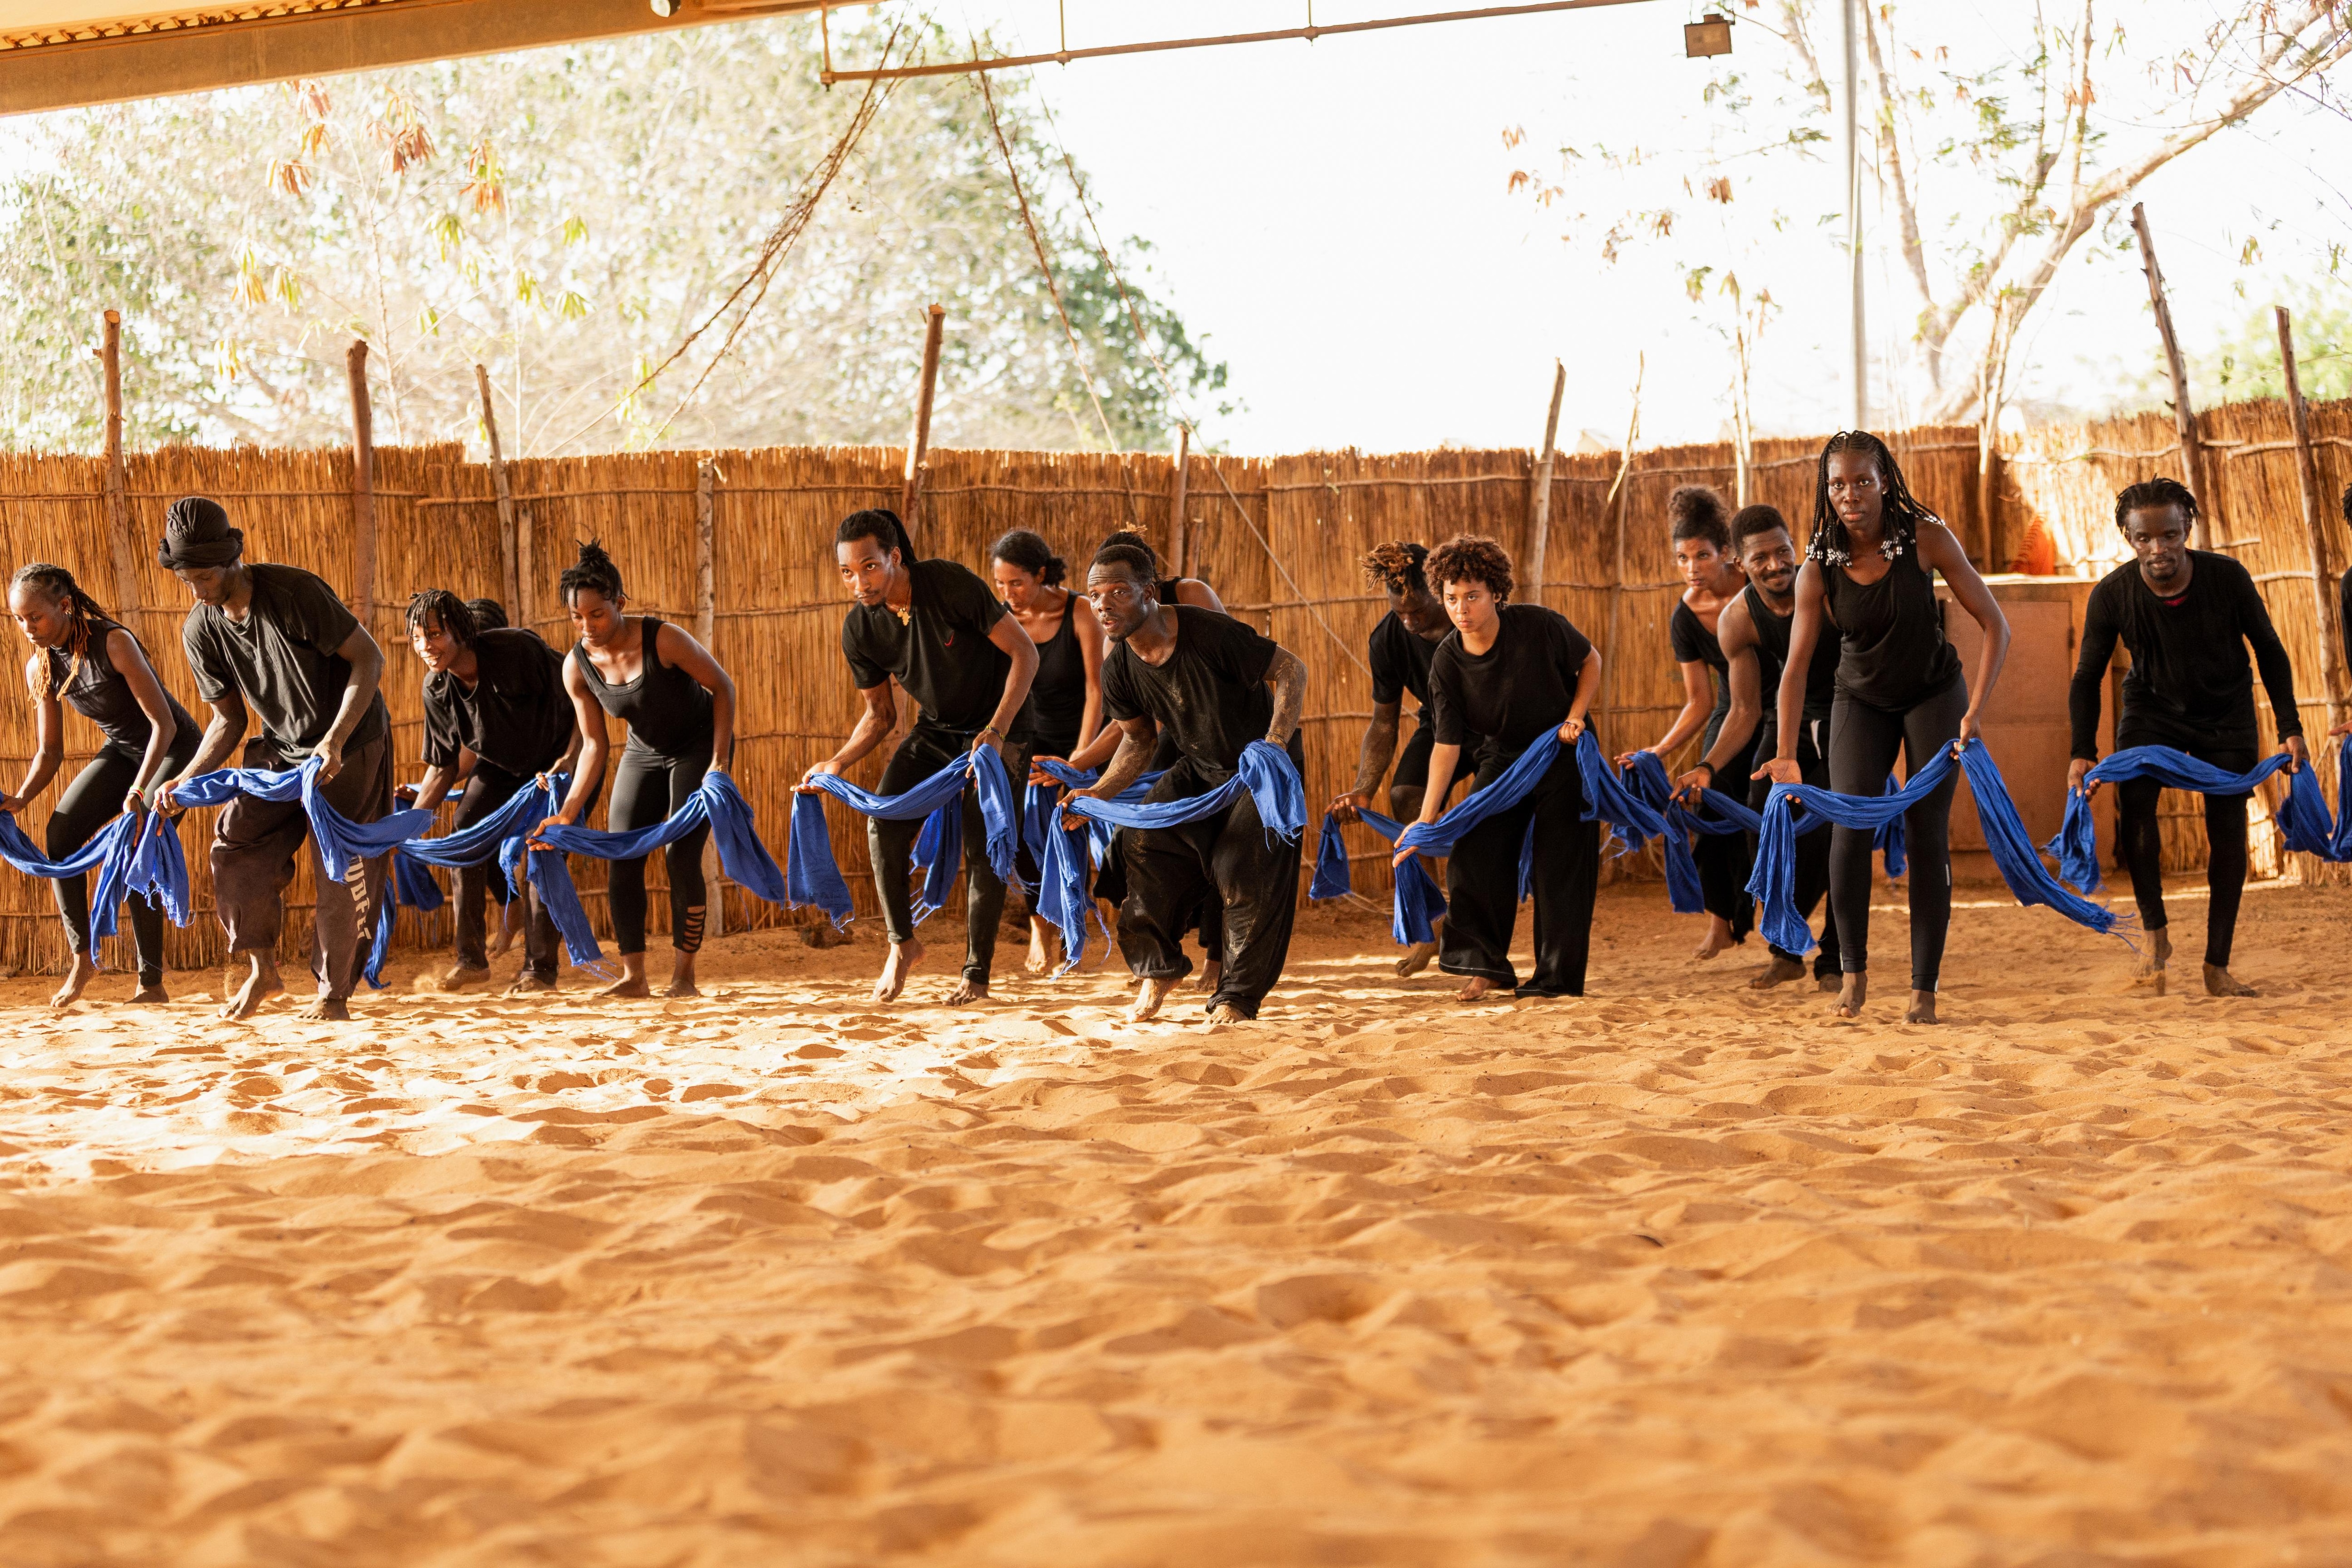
58, 54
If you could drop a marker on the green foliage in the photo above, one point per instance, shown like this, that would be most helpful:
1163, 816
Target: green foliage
565, 217
2246, 364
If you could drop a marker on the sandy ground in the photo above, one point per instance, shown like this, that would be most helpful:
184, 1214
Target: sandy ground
1673, 1275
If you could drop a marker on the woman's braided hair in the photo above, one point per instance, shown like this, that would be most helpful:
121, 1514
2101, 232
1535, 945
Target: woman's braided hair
81, 609
1900, 517
453, 614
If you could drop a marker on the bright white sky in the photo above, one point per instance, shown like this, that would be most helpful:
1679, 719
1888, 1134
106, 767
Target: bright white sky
1333, 217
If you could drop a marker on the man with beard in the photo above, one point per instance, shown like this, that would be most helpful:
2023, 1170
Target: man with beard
1215, 685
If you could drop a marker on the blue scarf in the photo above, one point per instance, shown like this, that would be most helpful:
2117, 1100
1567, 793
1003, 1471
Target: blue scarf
814, 876
2303, 819
1722, 814
340, 840
134, 857
1418, 905
715, 801
1063, 854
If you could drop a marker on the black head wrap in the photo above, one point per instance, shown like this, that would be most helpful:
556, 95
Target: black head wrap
196, 534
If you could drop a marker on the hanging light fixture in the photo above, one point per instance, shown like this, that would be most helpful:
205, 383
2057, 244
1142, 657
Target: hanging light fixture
1710, 35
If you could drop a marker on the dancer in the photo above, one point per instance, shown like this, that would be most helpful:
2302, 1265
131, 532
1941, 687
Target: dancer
1506, 677
907, 623
2187, 616
1899, 688
1702, 541
1401, 646
497, 716
1213, 684
86, 661
275, 642
679, 705
1753, 632
1064, 710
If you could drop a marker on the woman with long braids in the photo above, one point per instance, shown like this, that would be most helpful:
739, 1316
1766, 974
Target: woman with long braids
679, 707
83, 660
1899, 688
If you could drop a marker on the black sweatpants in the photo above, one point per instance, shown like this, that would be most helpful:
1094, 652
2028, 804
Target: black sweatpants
2225, 838
1482, 888
1863, 741
1726, 859
646, 787
1227, 867
489, 788
1812, 878
926, 750
254, 844
87, 804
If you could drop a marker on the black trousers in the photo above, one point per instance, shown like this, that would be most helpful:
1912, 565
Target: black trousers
646, 787
1812, 878
1227, 869
87, 804
2225, 839
489, 788
926, 750
1863, 741
254, 844
1482, 888
1727, 860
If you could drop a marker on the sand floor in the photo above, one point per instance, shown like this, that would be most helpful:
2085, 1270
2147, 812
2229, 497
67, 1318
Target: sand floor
1673, 1275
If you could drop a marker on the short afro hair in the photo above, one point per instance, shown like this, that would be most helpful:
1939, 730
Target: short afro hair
1471, 558
1751, 521
1135, 560
2149, 494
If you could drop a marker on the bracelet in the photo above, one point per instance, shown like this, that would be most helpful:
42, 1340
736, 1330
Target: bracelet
990, 729
1703, 763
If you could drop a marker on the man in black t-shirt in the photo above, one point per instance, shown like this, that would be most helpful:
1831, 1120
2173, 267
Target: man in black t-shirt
275, 643
2187, 616
967, 663
1215, 685
496, 716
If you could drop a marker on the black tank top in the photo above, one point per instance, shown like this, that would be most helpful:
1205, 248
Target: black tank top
1049, 719
1772, 658
98, 691
667, 711
1893, 654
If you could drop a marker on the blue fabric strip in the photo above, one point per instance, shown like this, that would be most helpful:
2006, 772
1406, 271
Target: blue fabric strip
814, 876
1063, 854
2302, 818
1417, 906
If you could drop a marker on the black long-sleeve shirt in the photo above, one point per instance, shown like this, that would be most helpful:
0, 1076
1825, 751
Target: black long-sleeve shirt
2189, 684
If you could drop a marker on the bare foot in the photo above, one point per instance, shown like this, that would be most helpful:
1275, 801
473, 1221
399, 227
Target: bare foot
1922, 1009
2219, 981
502, 938
1226, 1013
2149, 969
147, 996
326, 1010
1852, 995
464, 977
1416, 959
1043, 941
528, 983
1827, 983
1211, 976
1478, 987
76, 979
1778, 972
259, 985
1149, 992
1718, 938
681, 976
901, 963
967, 991
630, 986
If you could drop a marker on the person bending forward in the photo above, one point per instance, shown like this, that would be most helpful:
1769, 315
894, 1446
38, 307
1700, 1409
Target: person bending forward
1213, 685
1508, 676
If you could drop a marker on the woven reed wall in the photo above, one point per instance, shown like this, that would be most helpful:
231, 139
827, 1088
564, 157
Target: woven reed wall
1279, 538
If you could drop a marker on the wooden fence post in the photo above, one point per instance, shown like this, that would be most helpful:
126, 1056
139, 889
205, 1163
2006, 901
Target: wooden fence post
363, 488
1176, 498
1540, 502
705, 627
1613, 655
919, 449
2192, 464
118, 486
509, 565
2315, 527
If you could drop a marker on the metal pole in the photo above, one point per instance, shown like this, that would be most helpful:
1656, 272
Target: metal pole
1850, 129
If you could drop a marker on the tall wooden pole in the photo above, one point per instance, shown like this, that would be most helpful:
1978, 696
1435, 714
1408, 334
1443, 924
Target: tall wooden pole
2315, 527
118, 486
705, 627
918, 451
1540, 502
1176, 498
1613, 656
363, 488
509, 563
2192, 457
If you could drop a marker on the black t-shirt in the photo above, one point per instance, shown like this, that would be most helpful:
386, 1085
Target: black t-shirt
1694, 644
517, 717
1399, 657
281, 659
1505, 699
1211, 695
2189, 685
940, 653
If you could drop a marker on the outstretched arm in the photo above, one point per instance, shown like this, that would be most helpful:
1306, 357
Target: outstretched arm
1940, 550
1287, 675
360, 651
1588, 686
676, 646
222, 734
1372, 761
596, 745
1135, 737
1007, 635
49, 748
1804, 634
872, 727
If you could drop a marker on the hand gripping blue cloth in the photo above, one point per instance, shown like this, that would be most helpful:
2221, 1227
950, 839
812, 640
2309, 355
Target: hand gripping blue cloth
340, 840
1722, 816
1773, 884
504, 836
715, 801
2302, 818
1418, 905
814, 876
1062, 855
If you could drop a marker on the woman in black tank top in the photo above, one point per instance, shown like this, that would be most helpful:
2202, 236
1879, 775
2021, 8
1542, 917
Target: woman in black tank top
679, 707
1063, 710
1898, 688
84, 662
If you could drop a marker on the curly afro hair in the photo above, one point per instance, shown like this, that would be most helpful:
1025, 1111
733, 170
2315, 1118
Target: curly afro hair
1471, 558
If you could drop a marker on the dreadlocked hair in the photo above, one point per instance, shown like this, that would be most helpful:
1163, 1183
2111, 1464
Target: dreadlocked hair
2149, 494
595, 571
1696, 511
1472, 558
81, 608
880, 524
453, 614
1900, 516
1398, 567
